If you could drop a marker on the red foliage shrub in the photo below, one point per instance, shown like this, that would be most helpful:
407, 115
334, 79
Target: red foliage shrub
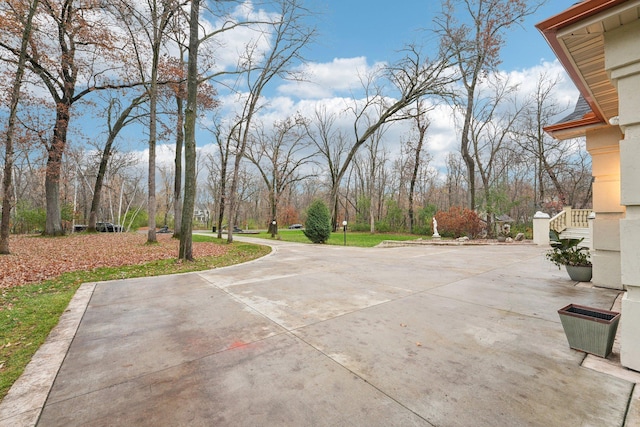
458, 222
289, 215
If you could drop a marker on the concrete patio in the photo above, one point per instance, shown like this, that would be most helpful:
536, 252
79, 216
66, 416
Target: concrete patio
330, 336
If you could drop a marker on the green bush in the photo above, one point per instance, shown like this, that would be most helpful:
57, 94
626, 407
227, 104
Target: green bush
135, 220
567, 251
394, 219
424, 221
28, 219
382, 227
526, 229
359, 226
317, 228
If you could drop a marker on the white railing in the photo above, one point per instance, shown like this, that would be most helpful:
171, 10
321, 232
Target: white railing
570, 218
558, 222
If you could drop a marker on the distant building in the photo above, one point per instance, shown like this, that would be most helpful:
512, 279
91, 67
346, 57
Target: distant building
201, 215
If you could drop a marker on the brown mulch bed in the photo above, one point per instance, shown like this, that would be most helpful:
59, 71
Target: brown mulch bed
35, 258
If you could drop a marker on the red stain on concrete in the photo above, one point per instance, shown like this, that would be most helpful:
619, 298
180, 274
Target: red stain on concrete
237, 344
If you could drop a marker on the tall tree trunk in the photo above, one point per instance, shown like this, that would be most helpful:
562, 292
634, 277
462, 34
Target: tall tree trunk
53, 225
151, 234
372, 208
334, 206
541, 189
224, 157
490, 210
186, 246
153, 106
223, 199
464, 148
177, 187
97, 189
273, 222
104, 159
7, 185
554, 178
233, 197
412, 185
422, 130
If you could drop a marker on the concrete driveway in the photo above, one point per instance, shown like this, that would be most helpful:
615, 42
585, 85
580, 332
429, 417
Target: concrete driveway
328, 336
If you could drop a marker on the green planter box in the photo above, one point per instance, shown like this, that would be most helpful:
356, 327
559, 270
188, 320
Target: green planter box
589, 329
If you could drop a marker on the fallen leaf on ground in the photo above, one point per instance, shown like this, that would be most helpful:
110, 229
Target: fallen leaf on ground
35, 258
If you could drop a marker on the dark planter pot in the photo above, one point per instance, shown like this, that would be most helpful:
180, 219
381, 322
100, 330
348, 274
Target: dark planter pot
579, 273
589, 329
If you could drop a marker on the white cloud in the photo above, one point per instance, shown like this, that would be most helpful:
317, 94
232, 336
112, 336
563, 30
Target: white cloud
342, 74
228, 46
165, 155
565, 92
330, 80
322, 80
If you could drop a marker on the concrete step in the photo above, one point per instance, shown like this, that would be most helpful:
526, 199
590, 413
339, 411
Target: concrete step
577, 233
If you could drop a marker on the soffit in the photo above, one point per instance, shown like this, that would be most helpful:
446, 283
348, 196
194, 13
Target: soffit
582, 44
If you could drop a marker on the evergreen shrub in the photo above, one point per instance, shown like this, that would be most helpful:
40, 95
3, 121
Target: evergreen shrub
317, 228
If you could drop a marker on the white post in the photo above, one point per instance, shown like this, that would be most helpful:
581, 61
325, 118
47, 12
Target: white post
622, 62
590, 219
541, 228
568, 216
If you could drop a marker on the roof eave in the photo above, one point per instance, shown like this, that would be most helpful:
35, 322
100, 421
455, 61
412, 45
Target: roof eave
550, 28
576, 128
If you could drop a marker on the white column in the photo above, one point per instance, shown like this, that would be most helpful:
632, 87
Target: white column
622, 61
591, 218
604, 147
541, 228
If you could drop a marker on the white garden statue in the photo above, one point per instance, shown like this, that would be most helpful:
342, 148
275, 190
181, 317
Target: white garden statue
435, 227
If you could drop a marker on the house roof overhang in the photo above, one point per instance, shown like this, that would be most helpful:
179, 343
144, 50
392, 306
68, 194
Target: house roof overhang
576, 36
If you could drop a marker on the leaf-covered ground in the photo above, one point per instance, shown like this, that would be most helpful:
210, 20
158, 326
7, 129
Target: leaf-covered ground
35, 258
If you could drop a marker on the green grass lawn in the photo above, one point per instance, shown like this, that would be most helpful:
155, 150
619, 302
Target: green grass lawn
28, 313
353, 238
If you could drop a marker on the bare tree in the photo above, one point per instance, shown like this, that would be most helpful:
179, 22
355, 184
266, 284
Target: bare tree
280, 154
375, 162
153, 20
421, 124
455, 178
412, 78
185, 251
224, 150
548, 154
288, 35
491, 129
166, 195
84, 51
123, 119
179, 94
7, 196
475, 39
174, 73
331, 144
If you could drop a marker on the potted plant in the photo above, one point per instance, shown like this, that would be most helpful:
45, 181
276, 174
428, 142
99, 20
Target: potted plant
589, 329
575, 258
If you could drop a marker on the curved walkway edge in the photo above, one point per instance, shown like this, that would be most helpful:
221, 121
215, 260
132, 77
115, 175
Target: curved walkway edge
329, 335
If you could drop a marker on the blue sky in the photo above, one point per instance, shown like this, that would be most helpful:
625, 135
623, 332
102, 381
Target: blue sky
357, 35
375, 28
